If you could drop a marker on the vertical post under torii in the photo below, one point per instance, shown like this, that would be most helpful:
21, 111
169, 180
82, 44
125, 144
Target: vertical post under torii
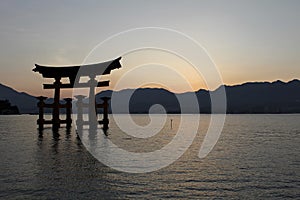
68, 112
41, 105
105, 112
92, 109
56, 104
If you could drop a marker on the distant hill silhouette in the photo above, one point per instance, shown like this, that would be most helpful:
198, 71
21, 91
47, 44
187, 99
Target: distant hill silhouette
254, 97
25, 102
276, 97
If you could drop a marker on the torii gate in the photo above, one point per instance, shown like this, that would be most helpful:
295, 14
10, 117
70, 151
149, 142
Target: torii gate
71, 72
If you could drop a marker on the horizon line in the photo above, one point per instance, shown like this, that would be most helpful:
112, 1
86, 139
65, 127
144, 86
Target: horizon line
225, 85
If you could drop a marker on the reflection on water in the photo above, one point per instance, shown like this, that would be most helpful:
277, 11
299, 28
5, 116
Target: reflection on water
257, 156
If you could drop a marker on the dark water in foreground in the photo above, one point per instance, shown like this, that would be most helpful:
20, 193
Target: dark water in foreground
257, 156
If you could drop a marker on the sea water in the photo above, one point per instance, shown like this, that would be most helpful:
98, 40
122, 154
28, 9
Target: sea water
256, 156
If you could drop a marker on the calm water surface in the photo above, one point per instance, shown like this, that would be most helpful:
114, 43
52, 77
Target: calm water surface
256, 157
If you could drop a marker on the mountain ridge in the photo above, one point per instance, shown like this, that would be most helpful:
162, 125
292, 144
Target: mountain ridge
248, 97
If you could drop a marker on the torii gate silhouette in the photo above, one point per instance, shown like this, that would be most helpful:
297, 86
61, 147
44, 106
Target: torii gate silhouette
71, 72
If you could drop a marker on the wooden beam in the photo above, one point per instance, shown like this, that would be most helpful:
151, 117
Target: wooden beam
79, 85
103, 84
51, 86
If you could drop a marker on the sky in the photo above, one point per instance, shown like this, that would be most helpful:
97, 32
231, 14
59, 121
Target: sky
254, 40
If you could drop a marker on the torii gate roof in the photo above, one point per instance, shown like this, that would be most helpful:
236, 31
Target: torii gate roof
71, 71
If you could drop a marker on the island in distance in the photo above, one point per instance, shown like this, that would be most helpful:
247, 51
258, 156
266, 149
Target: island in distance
7, 109
253, 98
